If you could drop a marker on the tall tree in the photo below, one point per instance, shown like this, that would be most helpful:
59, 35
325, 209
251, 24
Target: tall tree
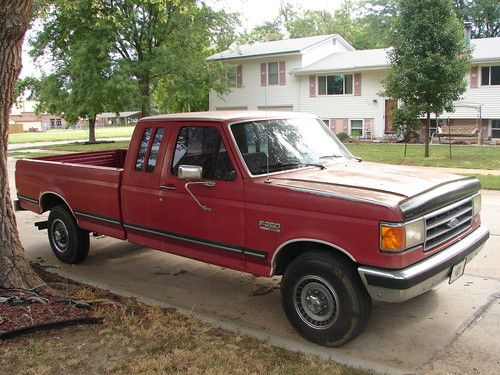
429, 59
149, 40
85, 80
484, 15
15, 270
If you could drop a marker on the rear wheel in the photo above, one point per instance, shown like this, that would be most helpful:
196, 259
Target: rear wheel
69, 243
324, 298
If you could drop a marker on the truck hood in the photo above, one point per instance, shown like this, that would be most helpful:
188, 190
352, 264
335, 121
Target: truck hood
380, 183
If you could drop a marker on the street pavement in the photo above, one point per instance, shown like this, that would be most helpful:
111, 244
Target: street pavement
451, 330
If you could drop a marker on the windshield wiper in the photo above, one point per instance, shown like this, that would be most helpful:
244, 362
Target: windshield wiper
331, 156
286, 165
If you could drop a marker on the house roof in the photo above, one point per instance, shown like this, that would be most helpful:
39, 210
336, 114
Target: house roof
486, 49
343, 61
276, 47
483, 50
120, 114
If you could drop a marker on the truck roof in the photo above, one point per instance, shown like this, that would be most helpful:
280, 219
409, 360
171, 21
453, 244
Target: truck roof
228, 116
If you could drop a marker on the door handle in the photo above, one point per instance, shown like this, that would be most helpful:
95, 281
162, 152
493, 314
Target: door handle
167, 187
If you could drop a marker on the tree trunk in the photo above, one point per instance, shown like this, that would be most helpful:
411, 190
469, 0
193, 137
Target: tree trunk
92, 129
144, 83
15, 271
427, 138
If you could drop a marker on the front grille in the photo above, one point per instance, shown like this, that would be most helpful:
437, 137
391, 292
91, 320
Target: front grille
446, 223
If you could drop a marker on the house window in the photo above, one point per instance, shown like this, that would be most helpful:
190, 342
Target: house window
490, 75
357, 128
495, 128
231, 76
273, 73
335, 84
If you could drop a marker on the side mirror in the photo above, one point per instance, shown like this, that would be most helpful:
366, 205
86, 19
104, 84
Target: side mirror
189, 172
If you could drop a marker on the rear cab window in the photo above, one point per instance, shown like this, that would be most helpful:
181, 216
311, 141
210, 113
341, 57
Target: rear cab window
149, 149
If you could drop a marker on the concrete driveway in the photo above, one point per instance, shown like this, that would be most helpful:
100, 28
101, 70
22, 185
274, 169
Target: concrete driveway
451, 330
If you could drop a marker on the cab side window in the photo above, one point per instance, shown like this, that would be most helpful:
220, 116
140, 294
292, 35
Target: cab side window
155, 148
141, 154
203, 146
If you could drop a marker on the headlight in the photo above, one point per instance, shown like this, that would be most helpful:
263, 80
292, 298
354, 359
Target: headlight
476, 204
397, 237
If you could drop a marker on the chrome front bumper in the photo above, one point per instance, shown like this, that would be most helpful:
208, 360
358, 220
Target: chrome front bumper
403, 284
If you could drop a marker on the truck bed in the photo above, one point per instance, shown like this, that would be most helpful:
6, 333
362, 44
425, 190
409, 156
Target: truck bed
89, 182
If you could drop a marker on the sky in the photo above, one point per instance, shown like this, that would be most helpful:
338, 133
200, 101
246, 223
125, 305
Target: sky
253, 12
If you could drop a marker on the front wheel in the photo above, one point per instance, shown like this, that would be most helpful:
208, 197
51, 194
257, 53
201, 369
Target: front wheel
69, 243
324, 299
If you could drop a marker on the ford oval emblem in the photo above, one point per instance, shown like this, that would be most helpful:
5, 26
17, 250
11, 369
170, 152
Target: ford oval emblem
452, 223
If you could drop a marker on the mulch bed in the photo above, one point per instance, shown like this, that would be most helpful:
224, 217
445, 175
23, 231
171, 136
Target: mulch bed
23, 311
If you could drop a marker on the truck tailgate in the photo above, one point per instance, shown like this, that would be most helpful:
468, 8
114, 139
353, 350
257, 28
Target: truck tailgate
91, 191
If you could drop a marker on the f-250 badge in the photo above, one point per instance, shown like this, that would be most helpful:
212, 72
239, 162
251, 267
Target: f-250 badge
267, 225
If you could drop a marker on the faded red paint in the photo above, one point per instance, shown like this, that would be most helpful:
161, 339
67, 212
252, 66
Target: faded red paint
341, 205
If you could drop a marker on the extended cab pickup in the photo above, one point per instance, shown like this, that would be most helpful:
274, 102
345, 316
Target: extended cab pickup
268, 194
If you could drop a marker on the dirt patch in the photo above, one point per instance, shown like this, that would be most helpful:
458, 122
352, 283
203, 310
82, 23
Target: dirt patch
137, 339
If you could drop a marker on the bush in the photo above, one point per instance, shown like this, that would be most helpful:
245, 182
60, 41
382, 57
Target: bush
343, 137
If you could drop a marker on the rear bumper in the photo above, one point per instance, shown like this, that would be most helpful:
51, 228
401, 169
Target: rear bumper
403, 284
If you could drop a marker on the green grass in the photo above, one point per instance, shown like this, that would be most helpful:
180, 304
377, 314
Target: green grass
488, 181
70, 134
78, 147
468, 157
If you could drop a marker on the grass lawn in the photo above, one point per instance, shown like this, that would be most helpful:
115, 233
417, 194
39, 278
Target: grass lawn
139, 339
462, 156
488, 182
70, 134
72, 147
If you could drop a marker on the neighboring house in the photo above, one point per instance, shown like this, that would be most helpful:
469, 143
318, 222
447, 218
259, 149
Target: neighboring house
326, 76
118, 119
23, 113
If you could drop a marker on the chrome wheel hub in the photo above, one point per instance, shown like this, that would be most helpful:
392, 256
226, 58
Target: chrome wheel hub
316, 302
60, 236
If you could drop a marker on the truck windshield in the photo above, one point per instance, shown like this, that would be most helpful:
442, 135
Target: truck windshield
284, 144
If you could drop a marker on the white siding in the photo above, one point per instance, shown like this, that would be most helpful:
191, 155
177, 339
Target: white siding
488, 96
368, 105
252, 95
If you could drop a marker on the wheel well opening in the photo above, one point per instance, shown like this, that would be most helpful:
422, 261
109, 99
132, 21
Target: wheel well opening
49, 201
291, 251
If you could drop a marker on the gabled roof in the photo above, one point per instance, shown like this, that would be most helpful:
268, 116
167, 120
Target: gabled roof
483, 50
276, 47
345, 61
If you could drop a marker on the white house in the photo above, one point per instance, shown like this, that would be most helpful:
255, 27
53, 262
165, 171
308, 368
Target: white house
327, 76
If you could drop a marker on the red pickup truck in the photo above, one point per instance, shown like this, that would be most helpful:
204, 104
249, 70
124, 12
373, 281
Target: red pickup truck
268, 194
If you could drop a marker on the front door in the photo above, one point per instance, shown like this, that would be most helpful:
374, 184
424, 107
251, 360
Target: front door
390, 106
216, 234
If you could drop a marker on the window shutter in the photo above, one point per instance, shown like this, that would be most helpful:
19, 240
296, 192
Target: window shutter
357, 84
263, 74
340, 125
239, 75
474, 77
312, 86
282, 72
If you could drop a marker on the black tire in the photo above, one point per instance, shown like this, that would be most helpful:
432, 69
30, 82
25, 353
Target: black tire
324, 298
69, 243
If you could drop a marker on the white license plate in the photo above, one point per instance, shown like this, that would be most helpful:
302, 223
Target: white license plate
457, 270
